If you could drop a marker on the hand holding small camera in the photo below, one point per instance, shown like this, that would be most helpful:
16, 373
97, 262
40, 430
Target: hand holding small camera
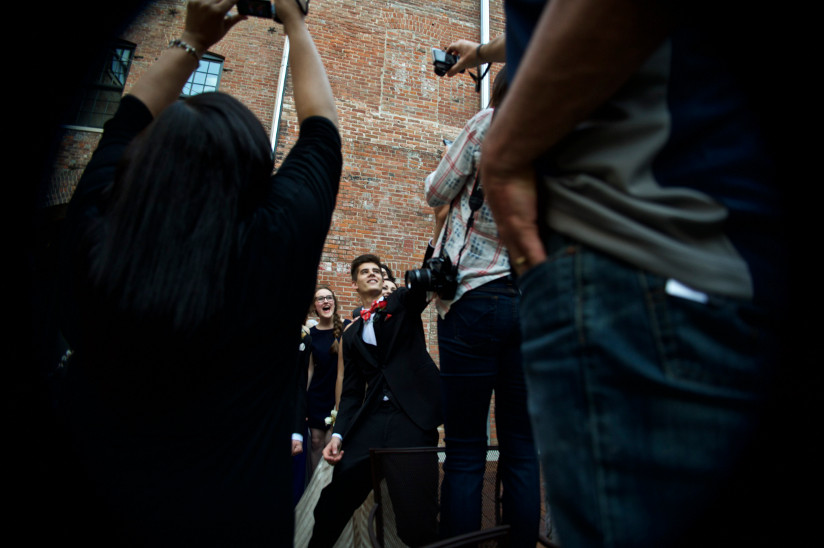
207, 21
442, 61
283, 11
465, 51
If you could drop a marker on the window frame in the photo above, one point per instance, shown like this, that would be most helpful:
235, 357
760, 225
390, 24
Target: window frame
213, 60
114, 66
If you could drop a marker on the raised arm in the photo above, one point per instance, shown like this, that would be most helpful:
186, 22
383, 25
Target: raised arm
458, 165
313, 94
440, 212
473, 54
206, 23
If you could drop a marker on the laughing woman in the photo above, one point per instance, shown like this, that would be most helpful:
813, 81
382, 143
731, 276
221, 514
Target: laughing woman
320, 398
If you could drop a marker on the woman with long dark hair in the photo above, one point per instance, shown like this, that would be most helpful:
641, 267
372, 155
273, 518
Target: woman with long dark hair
188, 267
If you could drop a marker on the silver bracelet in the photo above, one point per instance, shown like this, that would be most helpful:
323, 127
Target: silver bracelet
178, 43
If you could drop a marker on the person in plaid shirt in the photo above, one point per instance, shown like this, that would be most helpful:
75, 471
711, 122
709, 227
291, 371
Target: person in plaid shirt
479, 340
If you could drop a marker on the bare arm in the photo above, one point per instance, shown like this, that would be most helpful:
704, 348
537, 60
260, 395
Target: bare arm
581, 52
493, 51
310, 371
206, 24
441, 212
313, 94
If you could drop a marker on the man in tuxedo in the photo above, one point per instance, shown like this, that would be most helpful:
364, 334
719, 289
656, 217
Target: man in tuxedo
390, 398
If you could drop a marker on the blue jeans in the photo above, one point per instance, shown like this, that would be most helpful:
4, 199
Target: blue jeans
641, 402
479, 344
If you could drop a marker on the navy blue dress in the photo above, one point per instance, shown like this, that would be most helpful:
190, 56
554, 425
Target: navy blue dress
320, 398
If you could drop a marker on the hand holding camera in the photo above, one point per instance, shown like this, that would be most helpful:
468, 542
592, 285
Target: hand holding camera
266, 10
439, 275
207, 23
465, 51
443, 61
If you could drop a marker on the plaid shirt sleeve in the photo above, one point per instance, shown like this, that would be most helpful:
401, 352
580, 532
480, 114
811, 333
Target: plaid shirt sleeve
482, 255
459, 164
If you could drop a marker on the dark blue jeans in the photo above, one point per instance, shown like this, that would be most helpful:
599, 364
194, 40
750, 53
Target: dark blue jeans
642, 401
480, 352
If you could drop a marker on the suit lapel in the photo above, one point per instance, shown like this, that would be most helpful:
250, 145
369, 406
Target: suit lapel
362, 347
377, 323
388, 322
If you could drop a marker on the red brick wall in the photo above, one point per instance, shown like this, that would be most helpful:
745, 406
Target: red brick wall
393, 113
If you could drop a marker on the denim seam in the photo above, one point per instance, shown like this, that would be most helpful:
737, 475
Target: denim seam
660, 324
589, 377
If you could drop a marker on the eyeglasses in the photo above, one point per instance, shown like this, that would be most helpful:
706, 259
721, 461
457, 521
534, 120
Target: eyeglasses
329, 298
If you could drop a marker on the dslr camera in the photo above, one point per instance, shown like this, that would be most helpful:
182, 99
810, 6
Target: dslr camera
439, 275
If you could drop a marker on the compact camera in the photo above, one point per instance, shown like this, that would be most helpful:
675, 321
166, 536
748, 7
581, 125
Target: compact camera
265, 8
442, 61
440, 276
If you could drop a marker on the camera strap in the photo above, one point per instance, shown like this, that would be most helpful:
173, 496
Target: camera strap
479, 77
476, 200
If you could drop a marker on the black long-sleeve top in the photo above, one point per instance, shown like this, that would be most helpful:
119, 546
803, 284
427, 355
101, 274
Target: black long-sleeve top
186, 442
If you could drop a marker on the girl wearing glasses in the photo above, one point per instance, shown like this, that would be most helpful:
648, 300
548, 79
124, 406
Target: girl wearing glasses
320, 395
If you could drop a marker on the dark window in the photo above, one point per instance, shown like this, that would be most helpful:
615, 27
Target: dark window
101, 97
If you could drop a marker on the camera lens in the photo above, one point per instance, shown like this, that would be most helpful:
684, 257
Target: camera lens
421, 277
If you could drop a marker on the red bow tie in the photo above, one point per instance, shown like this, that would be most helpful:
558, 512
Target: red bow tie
376, 306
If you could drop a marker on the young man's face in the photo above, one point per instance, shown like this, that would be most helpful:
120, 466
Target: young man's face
368, 279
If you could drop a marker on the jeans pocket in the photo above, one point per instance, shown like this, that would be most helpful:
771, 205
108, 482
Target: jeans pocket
722, 343
547, 292
473, 323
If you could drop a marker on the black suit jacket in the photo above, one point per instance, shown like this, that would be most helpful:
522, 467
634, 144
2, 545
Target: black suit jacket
401, 364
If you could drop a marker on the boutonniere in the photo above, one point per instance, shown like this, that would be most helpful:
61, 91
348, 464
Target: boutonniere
377, 306
388, 316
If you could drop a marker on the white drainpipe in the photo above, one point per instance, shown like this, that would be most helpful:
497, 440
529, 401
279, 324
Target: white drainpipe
284, 66
484, 40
